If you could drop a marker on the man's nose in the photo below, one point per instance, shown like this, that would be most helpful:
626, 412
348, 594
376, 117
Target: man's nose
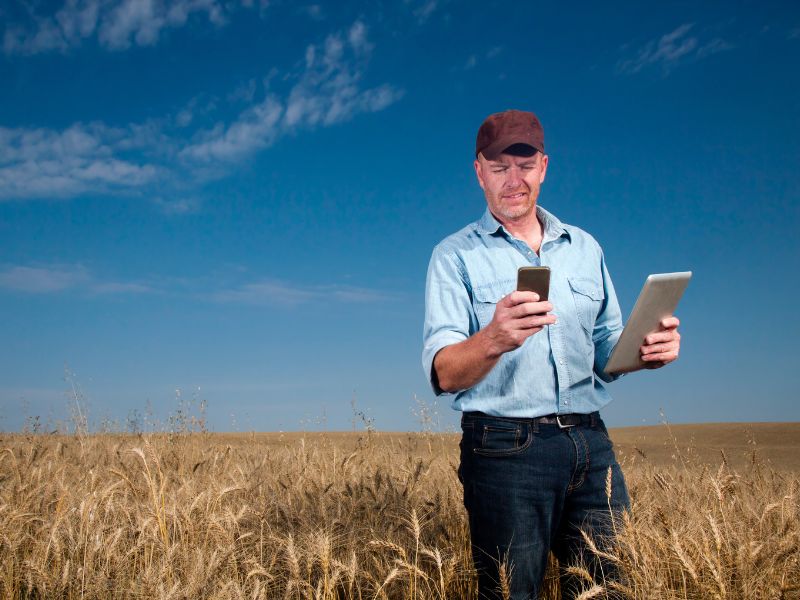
513, 176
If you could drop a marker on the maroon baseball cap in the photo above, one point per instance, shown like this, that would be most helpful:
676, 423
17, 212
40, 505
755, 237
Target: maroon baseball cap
504, 129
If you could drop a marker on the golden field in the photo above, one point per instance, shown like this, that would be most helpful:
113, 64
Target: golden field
372, 515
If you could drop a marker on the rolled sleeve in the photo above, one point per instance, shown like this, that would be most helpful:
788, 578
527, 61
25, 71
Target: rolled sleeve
448, 310
607, 328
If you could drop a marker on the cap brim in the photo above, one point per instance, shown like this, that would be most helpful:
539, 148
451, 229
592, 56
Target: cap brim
493, 151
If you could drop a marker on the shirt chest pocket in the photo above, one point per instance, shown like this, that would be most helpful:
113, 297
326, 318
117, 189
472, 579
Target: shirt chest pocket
588, 296
485, 299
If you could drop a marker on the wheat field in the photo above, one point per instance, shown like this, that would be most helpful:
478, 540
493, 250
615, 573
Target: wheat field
356, 516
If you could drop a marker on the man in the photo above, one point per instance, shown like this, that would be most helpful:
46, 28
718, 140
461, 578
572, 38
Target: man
536, 460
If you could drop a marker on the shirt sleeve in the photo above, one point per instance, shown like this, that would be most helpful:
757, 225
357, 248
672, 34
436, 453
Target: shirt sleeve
447, 310
607, 328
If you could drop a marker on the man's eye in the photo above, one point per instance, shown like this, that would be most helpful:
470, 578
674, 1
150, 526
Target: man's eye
498, 170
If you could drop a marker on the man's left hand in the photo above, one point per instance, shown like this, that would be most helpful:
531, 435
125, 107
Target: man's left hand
662, 346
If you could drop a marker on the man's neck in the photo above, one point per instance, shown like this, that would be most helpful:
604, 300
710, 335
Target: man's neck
527, 228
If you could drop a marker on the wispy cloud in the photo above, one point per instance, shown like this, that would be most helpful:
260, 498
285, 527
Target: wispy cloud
713, 47
178, 206
43, 280
200, 106
175, 151
313, 11
423, 10
116, 24
470, 62
59, 278
254, 129
84, 157
473, 60
56, 278
494, 51
670, 50
282, 293
327, 91
120, 287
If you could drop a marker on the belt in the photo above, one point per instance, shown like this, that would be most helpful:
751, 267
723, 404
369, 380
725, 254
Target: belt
564, 421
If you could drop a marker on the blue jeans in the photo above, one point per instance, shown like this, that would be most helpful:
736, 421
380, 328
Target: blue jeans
529, 488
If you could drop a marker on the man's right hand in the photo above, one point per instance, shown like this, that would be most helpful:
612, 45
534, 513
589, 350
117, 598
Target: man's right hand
517, 317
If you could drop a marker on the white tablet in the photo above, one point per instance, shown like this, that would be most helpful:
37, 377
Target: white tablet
658, 299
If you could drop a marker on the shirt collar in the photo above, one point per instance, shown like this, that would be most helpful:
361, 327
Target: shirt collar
553, 228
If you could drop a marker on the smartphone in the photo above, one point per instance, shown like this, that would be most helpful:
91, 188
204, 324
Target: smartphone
534, 279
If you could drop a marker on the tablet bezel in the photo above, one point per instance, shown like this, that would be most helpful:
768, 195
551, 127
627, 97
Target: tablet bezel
658, 299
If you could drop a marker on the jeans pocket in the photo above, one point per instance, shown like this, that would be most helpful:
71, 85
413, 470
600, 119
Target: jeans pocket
502, 439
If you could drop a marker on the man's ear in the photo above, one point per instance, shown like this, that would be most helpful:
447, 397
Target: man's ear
545, 159
479, 173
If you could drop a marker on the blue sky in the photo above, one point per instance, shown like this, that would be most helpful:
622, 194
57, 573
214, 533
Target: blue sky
236, 202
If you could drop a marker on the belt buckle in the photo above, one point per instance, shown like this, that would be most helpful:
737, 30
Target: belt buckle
561, 425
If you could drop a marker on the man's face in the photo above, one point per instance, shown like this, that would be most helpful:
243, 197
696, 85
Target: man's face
511, 183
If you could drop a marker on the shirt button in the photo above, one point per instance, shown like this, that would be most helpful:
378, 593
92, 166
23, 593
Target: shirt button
561, 361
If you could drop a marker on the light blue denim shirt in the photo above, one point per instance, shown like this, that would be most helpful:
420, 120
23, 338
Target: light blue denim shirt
556, 370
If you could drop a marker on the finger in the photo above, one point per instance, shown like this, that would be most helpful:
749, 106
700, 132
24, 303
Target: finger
537, 321
670, 322
659, 348
517, 297
661, 336
527, 309
665, 357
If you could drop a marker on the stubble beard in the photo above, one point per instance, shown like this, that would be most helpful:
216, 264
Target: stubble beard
512, 213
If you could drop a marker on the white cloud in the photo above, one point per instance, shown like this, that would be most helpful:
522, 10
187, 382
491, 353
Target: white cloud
54, 278
121, 287
202, 105
264, 292
37, 163
357, 36
494, 51
713, 47
274, 292
177, 206
60, 278
117, 24
246, 92
473, 60
327, 91
424, 10
254, 129
670, 50
43, 280
313, 11
175, 152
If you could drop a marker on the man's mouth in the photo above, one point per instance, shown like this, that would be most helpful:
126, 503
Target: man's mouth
515, 196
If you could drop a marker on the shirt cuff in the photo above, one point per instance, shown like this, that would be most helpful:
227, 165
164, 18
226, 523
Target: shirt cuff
432, 346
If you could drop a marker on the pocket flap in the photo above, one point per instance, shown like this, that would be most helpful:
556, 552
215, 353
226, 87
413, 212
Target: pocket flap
492, 293
586, 287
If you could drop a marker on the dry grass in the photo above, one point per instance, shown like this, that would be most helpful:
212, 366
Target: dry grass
337, 516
